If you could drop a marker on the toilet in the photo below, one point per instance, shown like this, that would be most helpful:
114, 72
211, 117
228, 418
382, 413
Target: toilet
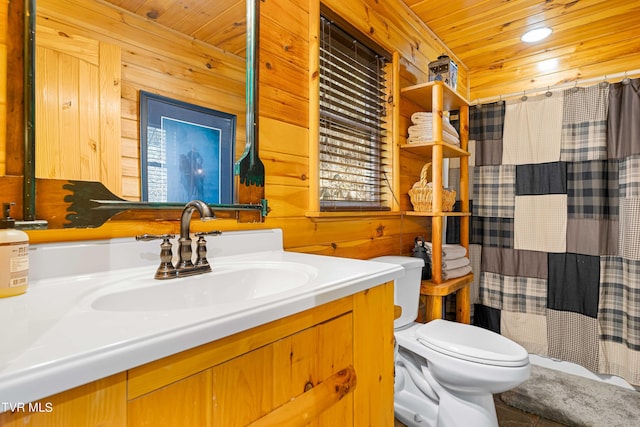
446, 372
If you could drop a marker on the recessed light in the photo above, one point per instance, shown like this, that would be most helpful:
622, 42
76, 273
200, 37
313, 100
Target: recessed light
536, 35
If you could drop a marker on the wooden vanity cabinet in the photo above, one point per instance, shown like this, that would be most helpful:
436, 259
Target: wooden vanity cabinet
327, 366
251, 385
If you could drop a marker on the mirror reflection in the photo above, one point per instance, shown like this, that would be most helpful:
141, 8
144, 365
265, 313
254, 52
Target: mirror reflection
94, 58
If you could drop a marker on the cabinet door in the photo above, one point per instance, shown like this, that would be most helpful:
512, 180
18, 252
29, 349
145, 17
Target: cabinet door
254, 384
185, 403
97, 404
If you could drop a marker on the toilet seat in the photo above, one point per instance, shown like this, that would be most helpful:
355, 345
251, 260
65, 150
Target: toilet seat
471, 343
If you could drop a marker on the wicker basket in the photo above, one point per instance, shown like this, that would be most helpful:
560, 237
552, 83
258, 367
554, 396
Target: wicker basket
421, 193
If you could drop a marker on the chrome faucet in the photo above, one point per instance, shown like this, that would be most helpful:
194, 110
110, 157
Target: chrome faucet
185, 266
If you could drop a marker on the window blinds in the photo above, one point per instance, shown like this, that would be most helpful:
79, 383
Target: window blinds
352, 126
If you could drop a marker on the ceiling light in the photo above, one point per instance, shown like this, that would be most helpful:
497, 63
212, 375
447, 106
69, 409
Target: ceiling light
536, 35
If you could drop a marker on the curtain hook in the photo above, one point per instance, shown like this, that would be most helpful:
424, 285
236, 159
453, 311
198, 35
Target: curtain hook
575, 87
626, 79
524, 95
604, 83
548, 93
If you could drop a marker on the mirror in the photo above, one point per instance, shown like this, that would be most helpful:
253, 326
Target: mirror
152, 57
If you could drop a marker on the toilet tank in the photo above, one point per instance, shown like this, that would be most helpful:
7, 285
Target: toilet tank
406, 290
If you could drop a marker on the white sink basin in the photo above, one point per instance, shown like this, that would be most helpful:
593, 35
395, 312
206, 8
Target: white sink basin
226, 284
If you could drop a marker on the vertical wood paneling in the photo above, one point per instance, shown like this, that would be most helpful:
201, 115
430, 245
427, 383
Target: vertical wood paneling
313, 107
3, 85
78, 109
89, 126
110, 88
373, 335
69, 116
47, 119
13, 118
395, 130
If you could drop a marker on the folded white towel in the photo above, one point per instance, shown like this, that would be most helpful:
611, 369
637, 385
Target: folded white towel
453, 251
420, 130
417, 140
450, 264
421, 117
451, 139
456, 272
450, 251
416, 136
428, 139
448, 127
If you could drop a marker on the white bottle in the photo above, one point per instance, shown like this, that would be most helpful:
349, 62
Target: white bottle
14, 256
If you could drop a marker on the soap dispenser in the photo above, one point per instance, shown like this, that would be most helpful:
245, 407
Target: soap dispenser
14, 256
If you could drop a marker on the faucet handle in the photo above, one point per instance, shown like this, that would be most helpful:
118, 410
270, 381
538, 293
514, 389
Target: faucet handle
208, 233
166, 270
201, 252
148, 237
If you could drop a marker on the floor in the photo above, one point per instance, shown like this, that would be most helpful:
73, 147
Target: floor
511, 417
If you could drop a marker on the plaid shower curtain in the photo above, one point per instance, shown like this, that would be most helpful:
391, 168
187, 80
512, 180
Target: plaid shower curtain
555, 235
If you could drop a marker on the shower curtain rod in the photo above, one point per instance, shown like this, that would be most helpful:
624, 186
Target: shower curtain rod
605, 78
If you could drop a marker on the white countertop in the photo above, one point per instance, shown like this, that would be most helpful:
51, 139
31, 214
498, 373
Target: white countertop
52, 339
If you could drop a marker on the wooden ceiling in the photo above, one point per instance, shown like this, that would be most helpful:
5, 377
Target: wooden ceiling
220, 23
590, 39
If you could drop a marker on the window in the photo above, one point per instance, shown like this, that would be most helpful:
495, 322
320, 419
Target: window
353, 158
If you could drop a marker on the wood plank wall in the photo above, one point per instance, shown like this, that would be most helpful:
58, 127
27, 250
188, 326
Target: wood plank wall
4, 19
161, 61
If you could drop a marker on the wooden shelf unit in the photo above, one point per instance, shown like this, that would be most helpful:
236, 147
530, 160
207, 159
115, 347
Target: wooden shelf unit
437, 98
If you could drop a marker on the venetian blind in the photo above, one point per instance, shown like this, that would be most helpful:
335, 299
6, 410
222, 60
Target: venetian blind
352, 126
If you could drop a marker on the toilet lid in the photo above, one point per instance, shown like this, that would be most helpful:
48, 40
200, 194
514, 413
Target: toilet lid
471, 343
